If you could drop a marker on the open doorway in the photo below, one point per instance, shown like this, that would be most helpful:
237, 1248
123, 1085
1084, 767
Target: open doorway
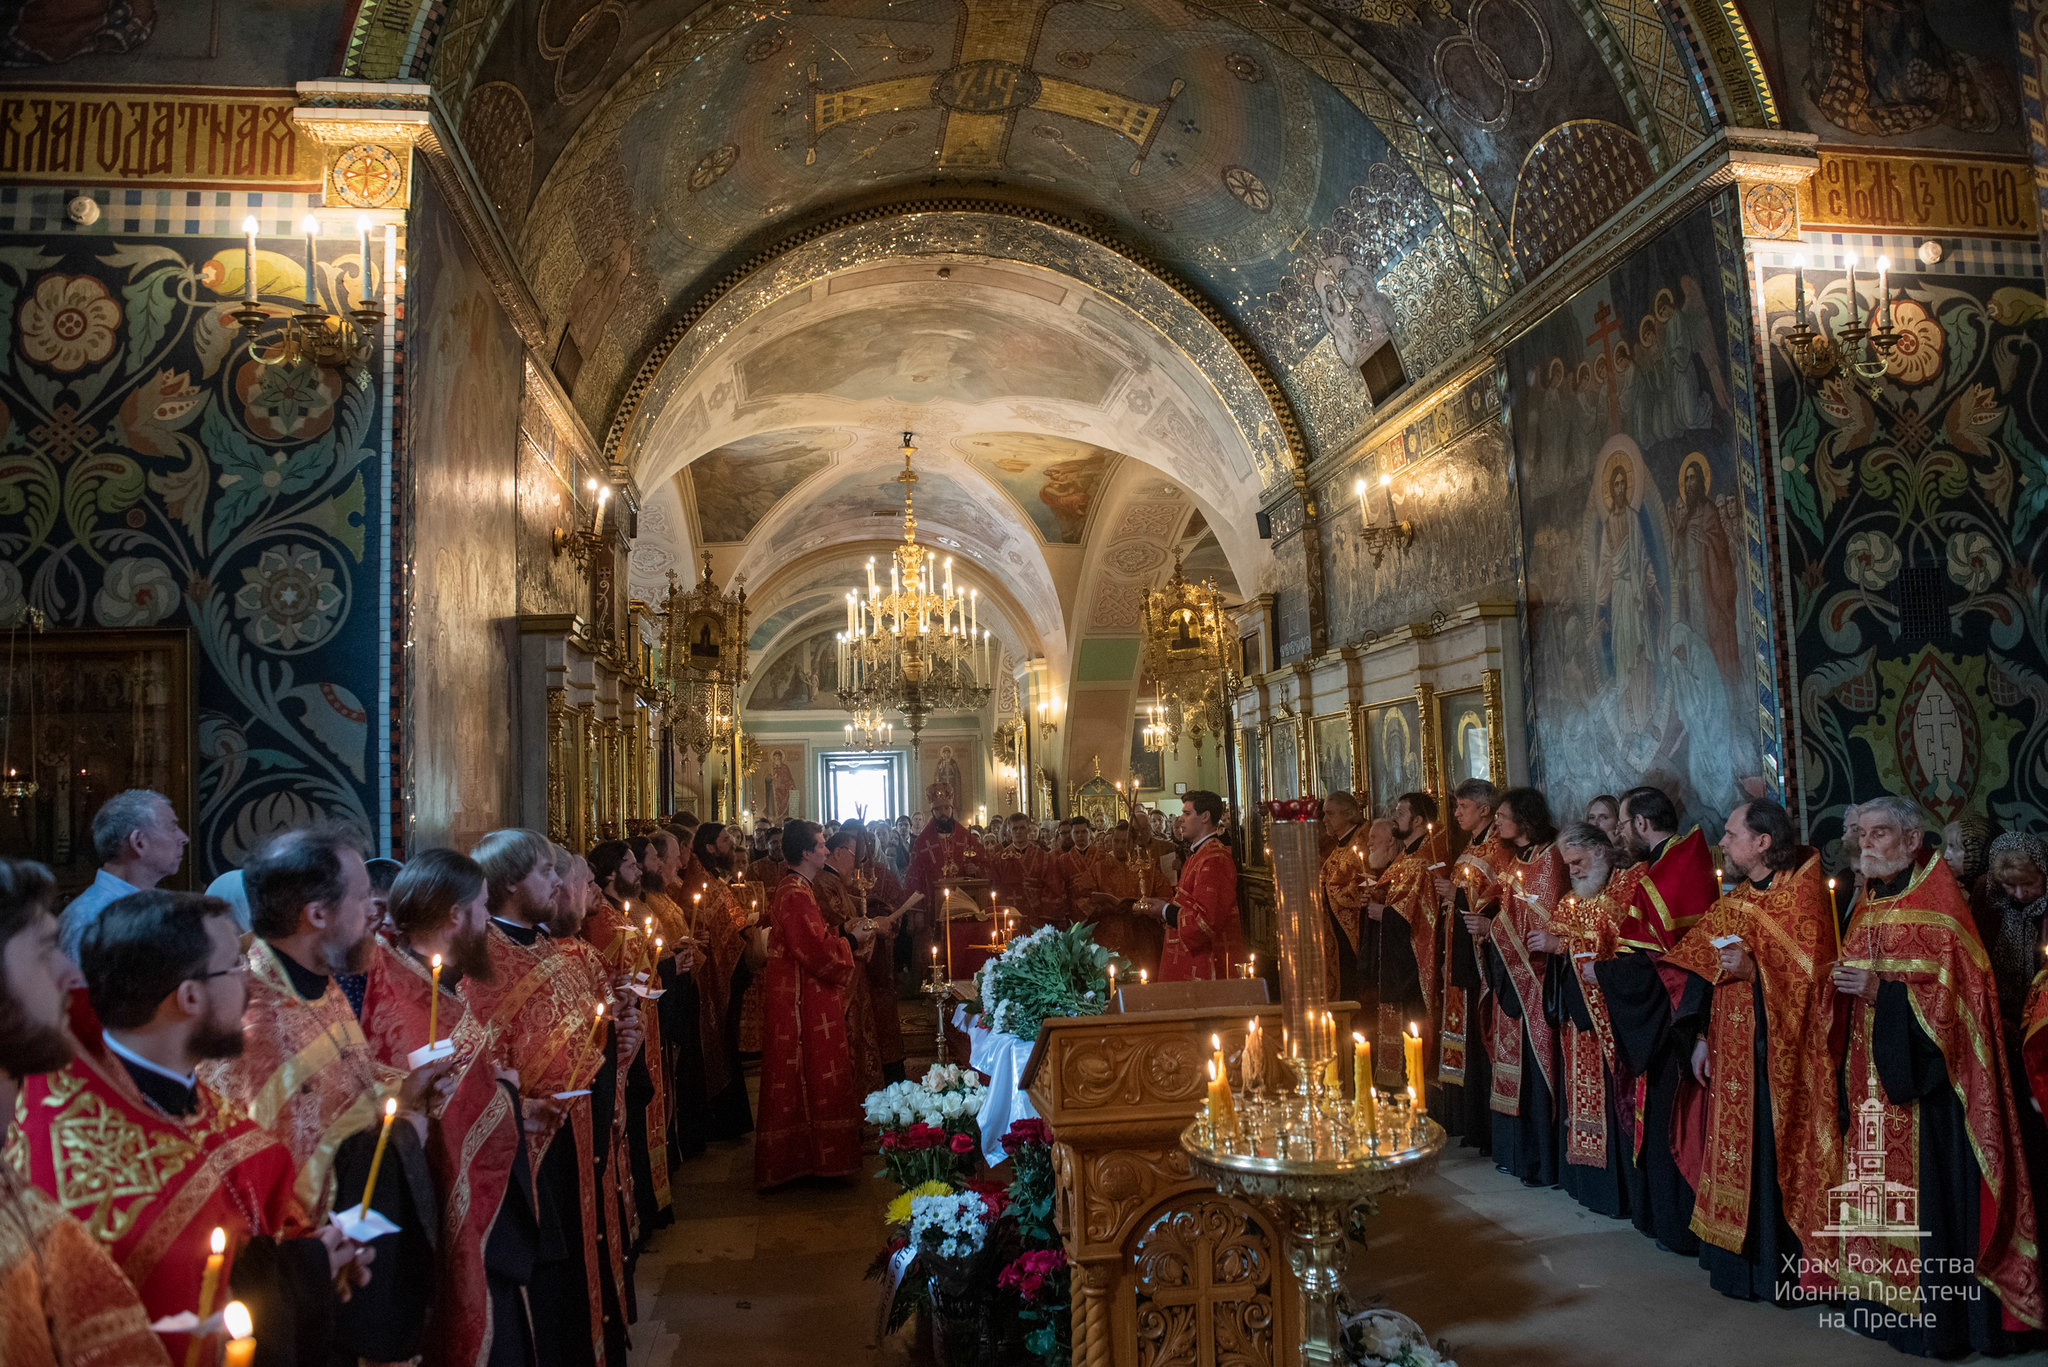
862, 784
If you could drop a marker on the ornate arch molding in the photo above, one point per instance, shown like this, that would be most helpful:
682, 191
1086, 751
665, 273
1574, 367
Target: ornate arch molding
948, 225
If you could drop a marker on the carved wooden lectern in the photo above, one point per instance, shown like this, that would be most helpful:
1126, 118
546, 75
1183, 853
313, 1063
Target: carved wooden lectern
1166, 1271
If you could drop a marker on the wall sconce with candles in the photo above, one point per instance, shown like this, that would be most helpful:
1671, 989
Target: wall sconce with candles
1857, 351
1396, 531
1049, 715
313, 336
582, 546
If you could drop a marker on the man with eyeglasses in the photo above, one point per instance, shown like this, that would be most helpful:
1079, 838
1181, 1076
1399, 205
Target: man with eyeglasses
167, 983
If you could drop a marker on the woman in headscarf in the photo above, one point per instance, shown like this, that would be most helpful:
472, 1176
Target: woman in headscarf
1966, 845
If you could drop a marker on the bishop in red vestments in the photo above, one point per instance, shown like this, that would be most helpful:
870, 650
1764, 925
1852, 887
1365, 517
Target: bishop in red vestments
1519, 949
1471, 887
1204, 938
809, 1121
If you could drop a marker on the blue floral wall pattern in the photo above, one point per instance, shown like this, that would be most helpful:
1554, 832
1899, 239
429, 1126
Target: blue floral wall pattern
152, 473
1915, 514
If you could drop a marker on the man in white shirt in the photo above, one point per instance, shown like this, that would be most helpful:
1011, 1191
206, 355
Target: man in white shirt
137, 839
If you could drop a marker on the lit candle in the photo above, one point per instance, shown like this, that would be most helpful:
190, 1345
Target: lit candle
946, 928
597, 1030
1254, 1055
1855, 317
1364, 509
434, 1005
249, 260
377, 1156
1361, 1081
1143, 977
363, 255
311, 227
1222, 1111
1884, 293
209, 1284
1112, 984
241, 1346
1834, 904
1216, 1045
1411, 1044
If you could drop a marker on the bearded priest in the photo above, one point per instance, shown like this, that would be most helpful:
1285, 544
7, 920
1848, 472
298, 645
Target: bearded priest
307, 1074
944, 853
1773, 1147
1204, 938
1925, 1080
1598, 1159
490, 1234
1470, 888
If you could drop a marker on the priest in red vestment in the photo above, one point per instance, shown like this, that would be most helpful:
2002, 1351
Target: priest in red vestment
542, 1000
881, 897
307, 1074
1403, 902
1106, 879
1598, 1154
1469, 888
1520, 948
1772, 1146
809, 1122
63, 1302
1345, 877
1026, 876
164, 978
1204, 938
1659, 1013
944, 854
475, 1142
1925, 1076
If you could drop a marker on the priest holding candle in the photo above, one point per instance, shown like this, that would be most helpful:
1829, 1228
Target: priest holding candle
166, 989
439, 938
307, 1074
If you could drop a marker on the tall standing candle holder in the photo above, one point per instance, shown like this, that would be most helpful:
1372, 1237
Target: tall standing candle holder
1301, 1151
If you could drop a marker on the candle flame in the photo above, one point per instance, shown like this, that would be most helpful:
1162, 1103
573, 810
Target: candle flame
309, 225
1357, 1037
235, 1319
390, 1107
437, 963
219, 1241
249, 224
1212, 1069
600, 1010
1215, 1041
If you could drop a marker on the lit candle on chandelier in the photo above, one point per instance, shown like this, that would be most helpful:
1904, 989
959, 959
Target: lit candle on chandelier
310, 226
249, 260
1884, 292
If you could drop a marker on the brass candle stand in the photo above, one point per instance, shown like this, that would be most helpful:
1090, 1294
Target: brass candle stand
1303, 1153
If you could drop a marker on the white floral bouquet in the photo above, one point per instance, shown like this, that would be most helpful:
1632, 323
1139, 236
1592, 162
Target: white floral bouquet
1050, 972
954, 1226
946, 1098
1386, 1338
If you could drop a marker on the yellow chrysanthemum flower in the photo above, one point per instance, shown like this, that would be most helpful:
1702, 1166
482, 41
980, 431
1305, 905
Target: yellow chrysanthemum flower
899, 1209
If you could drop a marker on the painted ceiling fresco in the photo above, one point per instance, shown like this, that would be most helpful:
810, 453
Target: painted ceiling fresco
738, 484
1920, 73
1169, 126
1054, 480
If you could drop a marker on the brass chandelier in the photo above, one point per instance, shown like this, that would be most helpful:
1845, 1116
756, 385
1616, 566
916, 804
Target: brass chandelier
918, 648
1187, 647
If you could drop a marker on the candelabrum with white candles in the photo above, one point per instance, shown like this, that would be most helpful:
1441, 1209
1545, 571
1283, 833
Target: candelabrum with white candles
1291, 1141
1859, 348
1379, 536
313, 336
918, 647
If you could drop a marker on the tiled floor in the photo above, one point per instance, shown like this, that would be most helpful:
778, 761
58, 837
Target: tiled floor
1509, 1277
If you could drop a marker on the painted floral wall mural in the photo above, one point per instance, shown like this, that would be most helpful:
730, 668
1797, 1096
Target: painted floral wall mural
1915, 517
152, 473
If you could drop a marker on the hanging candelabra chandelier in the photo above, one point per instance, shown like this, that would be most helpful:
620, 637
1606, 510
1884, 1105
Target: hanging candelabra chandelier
1187, 647
919, 648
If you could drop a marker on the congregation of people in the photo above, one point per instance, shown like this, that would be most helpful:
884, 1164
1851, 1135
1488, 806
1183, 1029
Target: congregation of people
1823, 1088
502, 1053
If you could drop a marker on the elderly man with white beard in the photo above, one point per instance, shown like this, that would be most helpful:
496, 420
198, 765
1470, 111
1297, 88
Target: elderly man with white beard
1924, 1078
1597, 1154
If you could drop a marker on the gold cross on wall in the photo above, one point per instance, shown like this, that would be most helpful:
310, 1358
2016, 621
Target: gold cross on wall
988, 85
